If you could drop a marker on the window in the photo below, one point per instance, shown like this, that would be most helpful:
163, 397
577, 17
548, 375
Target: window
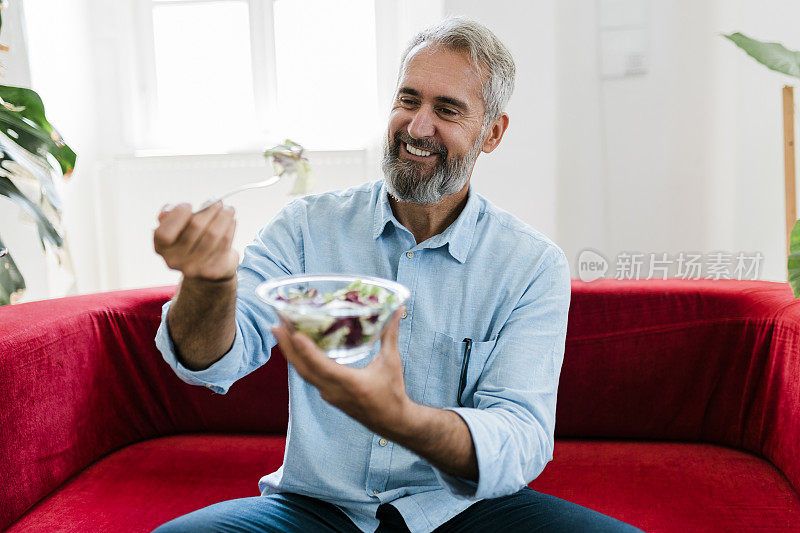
235, 75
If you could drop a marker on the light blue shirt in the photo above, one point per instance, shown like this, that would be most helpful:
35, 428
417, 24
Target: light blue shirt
488, 277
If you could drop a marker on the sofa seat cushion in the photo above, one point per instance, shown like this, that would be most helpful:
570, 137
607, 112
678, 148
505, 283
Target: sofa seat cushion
655, 486
681, 487
144, 485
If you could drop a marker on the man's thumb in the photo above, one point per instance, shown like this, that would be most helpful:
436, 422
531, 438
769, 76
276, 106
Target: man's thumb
390, 331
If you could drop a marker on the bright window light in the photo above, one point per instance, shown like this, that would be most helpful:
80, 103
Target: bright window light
203, 75
314, 81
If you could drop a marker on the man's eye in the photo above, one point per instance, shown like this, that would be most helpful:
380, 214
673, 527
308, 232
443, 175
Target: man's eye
406, 101
448, 112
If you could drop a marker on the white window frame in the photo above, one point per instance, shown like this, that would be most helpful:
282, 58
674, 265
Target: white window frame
263, 68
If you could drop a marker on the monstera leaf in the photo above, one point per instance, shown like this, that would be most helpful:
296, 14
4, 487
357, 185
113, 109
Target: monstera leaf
23, 162
27, 137
47, 232
11, 283
23, 109
772, 55
794, 260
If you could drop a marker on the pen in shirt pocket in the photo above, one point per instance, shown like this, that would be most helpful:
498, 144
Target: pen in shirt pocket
462, 382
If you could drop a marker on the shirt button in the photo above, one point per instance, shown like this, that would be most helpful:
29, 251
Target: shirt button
382, 442
375, 491
409, 254
404, 315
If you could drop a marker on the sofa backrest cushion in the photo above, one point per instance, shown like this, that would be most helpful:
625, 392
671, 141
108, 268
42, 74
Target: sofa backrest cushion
711, 361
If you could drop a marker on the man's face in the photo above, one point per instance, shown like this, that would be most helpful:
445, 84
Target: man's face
435, 128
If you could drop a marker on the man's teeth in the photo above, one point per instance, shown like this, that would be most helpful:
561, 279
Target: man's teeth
415, 151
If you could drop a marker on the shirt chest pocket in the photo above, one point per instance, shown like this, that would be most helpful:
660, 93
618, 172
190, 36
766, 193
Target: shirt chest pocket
444, 372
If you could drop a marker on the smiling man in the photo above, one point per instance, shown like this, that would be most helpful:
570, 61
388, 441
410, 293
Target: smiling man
393, 443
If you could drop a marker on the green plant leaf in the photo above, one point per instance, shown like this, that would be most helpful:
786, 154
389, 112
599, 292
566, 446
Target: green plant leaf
3, 5
29, 167
772, 55
46, 229
12, 285
22, 112
794, 259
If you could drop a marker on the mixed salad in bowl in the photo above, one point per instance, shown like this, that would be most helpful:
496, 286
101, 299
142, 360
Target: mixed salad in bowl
343, 315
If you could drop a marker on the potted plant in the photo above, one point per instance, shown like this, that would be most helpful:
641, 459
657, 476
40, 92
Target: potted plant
32, 156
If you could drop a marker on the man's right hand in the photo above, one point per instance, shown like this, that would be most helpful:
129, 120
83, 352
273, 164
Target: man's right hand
198, 245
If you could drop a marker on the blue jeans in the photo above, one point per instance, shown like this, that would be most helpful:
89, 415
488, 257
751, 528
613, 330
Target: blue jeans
524, 511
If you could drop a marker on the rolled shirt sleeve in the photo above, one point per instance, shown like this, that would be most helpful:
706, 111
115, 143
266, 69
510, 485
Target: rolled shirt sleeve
513, 421
276, 251
217, 377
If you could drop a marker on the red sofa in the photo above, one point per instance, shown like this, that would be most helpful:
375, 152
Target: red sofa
678, 410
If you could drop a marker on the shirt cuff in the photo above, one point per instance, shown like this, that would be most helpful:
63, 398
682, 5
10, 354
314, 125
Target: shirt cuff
457, 486
493, 474
218, 377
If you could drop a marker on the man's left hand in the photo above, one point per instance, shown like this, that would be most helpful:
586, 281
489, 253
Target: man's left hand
374, 395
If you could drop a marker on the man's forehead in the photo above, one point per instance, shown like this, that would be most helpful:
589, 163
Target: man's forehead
435, 71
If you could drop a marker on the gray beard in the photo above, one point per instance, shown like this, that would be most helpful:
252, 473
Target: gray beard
405, 182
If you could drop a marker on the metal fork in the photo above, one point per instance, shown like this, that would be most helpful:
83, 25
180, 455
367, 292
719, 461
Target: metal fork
255, 185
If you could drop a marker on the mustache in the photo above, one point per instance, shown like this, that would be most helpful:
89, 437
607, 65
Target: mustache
422, 144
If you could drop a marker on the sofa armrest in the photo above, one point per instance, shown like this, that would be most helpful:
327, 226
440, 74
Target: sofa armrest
81, 377
708, 361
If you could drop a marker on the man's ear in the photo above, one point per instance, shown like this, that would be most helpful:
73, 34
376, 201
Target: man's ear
496, 130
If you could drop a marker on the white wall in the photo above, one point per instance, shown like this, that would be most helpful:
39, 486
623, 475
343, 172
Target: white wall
685, 158
135, 189
581, 172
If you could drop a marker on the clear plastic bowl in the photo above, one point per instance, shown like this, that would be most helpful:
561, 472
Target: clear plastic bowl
345, 334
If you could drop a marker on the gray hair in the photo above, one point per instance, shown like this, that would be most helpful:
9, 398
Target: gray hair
486, 52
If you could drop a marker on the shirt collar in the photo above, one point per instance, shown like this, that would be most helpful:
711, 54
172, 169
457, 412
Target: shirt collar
457, 236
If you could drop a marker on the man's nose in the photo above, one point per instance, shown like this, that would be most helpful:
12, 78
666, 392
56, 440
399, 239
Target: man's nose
422, 125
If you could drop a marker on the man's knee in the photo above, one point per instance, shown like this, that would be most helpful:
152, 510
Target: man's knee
196, 522
528, 510
556, 514
278, 513
178, 525
233, 515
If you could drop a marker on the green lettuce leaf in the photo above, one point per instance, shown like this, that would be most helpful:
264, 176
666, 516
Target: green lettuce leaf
288, 158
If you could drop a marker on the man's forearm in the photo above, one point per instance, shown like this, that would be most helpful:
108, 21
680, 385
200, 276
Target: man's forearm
440, 437
202, 321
